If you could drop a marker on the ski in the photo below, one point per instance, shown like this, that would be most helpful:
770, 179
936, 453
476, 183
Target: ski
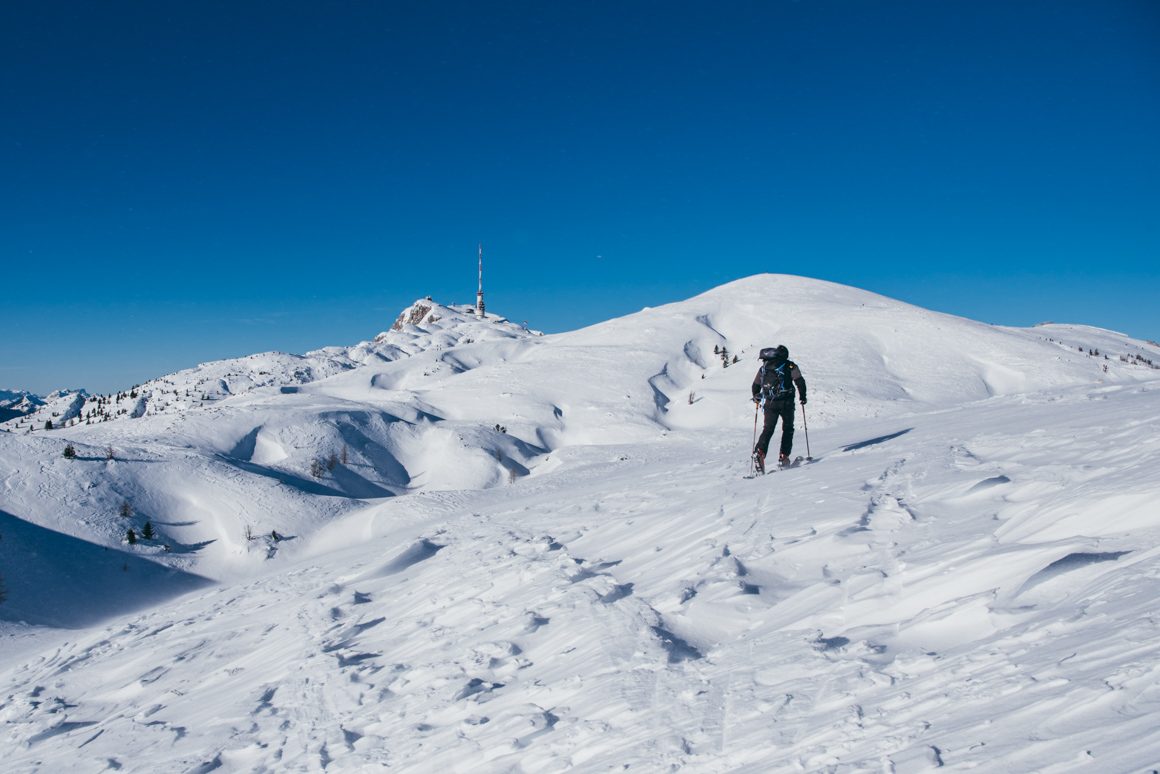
757, 469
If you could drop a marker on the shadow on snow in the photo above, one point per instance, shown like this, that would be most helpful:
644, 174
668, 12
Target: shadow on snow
57, 580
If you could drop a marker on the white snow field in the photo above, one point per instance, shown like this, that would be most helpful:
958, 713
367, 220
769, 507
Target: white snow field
967, 576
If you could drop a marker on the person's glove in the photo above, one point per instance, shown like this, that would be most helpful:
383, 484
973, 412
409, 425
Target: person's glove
757, 399
803, 400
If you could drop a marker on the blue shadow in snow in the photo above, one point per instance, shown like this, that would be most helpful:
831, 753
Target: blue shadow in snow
418, 552
873, 441
58, 580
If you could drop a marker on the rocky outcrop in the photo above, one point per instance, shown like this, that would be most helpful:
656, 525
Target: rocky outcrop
411, 316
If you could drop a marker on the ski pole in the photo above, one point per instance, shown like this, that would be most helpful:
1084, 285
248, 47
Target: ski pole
756, 411
806, 425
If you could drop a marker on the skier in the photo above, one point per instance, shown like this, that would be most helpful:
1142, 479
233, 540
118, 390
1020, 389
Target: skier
773, 388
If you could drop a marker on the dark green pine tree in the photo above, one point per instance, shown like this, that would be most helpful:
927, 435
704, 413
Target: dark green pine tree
147, 531
131, 536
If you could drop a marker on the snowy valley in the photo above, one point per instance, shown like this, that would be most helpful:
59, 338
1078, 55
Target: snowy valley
464, 546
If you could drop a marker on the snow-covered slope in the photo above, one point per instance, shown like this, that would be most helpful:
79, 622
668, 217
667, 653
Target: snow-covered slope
541, 554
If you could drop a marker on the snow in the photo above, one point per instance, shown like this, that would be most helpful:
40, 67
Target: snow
964, 577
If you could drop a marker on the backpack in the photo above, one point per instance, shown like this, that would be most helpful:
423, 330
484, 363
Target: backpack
776, 383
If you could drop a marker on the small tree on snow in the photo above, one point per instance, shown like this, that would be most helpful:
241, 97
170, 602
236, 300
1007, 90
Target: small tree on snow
48, 424
131, 536
316, 468
125, 510
344, 457
331, 461
109, 453
70, 452
147, 531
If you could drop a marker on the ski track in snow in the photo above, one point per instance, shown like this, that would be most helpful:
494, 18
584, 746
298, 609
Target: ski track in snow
957, 585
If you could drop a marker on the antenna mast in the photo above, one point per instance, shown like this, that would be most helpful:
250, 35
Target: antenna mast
479, 295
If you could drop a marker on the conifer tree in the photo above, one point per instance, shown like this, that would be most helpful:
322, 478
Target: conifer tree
70, 452
147, 531
131, 536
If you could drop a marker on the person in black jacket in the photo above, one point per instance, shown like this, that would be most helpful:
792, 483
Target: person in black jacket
774, 389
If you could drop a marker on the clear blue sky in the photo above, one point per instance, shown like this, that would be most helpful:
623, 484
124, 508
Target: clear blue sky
182, 182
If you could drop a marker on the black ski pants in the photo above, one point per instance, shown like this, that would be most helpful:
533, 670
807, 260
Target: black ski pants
773, 410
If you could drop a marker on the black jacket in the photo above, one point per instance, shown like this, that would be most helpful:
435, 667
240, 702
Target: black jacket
770, 380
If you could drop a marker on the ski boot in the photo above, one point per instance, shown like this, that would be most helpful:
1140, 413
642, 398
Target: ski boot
783, 461
759, 461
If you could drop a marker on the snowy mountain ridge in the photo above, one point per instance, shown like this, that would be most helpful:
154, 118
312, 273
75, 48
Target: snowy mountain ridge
16, 403
208, 382
463, 546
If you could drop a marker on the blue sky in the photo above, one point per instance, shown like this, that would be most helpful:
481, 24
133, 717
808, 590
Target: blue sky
187, 182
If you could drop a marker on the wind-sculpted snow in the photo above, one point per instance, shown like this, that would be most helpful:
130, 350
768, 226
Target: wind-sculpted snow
543, 554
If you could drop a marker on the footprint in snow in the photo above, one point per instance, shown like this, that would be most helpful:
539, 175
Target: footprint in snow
617, 593
477, 687
532, 622
884, 514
